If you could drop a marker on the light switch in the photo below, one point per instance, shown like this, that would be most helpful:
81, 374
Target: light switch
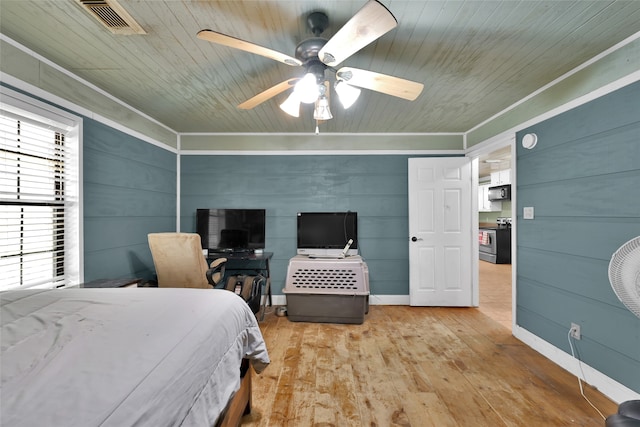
527, 212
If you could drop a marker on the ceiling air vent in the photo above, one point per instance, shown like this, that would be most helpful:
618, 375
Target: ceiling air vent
113, 16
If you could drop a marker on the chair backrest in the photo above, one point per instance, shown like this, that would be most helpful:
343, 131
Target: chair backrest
179, 260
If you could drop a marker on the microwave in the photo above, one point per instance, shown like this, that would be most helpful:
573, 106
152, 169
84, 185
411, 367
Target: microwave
500, 192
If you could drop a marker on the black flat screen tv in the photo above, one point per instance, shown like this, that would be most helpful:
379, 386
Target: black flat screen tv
327, 233
231, 230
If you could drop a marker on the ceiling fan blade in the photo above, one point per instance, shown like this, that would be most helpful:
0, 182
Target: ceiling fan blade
390, 85
367, 25
225, 40
267, 94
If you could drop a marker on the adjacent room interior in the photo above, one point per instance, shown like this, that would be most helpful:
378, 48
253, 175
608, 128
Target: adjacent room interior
495, 280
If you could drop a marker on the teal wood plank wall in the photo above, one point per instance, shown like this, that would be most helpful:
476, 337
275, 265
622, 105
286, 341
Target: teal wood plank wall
374, 186
583, 179
129, 191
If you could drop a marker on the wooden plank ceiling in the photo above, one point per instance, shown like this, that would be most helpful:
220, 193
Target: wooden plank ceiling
475, 58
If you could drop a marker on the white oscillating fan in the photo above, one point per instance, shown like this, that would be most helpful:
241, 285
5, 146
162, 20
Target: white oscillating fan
624, 274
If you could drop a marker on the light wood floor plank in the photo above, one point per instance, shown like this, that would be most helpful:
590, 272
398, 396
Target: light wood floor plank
366, 361
326, 409
304, 388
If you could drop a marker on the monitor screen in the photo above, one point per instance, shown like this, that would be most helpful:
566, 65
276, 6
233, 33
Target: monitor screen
227, 230
326, 232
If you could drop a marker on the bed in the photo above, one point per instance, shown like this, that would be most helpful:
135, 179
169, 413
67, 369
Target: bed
125, 357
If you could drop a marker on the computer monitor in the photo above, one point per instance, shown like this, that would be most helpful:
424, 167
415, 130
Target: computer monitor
231, 230
327, 233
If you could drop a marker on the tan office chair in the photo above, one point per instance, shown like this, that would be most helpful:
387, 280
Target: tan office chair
180, 263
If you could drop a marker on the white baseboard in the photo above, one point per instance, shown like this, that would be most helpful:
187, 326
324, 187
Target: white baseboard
607, 386
279, 300
389, 299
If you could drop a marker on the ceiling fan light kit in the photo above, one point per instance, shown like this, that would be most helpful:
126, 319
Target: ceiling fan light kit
318, 54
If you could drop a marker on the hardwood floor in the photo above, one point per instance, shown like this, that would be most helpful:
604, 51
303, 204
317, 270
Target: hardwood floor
413, 366
495, 292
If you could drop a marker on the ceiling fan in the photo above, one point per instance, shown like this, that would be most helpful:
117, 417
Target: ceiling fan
317, 54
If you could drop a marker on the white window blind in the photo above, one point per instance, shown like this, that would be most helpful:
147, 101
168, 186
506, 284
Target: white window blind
34, 201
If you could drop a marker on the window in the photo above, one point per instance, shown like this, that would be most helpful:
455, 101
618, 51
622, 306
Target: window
39, 188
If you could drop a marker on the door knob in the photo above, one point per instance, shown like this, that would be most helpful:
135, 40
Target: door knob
415, 239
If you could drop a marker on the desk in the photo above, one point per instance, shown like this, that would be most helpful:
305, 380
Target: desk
249, 263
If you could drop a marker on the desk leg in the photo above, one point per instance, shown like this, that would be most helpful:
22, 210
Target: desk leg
264, 301
269, 284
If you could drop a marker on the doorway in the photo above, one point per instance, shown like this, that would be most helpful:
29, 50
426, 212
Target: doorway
495, 280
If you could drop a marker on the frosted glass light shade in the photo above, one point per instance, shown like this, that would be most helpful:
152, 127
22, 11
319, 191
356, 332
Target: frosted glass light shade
346, 93
322, 111
291, 105
307, 89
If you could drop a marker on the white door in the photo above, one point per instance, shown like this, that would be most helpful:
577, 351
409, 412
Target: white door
440, 238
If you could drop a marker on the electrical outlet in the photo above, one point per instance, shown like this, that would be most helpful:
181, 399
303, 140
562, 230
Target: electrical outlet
575, 331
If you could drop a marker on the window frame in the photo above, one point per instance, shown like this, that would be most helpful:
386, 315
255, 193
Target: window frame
16, 103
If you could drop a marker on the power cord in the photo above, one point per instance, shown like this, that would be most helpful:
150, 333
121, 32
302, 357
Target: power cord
582, 373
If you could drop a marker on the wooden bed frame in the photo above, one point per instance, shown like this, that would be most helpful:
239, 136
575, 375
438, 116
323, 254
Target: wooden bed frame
240, 403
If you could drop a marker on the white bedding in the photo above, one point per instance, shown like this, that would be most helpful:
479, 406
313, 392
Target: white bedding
123, 357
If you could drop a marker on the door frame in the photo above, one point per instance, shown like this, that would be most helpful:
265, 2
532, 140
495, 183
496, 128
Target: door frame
474, 154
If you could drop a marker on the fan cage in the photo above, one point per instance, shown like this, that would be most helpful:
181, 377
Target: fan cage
624, 275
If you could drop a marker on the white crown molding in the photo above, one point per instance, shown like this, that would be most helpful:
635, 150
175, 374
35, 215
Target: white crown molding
318, 152
322, 133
